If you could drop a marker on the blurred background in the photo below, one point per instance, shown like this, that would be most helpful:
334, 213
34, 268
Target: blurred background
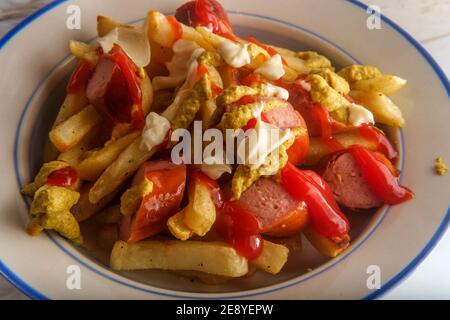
426, 20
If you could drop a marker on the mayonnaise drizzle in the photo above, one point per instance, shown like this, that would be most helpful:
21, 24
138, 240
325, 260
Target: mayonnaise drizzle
185, 54
261, 144
155, 131
275, 91
359, 115
272, 69
235, 54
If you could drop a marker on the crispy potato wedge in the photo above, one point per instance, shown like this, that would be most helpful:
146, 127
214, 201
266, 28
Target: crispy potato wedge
93, 166
329, 247
384, 110
178, 228
84, 209
70, 132
123, 167
272, 258
209, 257
317, 149
385, 84
200, 213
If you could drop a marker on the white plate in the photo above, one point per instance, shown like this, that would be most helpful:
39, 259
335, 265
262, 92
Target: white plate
34, 65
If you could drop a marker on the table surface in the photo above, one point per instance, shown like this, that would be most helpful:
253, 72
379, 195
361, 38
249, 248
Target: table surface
429, 22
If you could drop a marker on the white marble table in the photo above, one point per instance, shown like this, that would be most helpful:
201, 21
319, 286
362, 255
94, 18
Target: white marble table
429, 22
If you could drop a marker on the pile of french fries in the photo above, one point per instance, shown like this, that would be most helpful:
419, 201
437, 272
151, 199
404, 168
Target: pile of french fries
105, 159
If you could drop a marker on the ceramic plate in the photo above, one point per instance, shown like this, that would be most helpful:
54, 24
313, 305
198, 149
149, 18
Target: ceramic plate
34, 65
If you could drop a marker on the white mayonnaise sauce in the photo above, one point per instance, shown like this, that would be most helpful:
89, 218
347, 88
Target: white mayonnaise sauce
272, 69
155, 131
359, 115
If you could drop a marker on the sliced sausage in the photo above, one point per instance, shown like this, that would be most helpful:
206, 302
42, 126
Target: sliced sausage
347, 183
108, 91
278, 214
169, 181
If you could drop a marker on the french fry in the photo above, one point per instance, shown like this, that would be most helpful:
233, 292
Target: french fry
272, 258
75, 155
209, 257
178, 228
147, 93
93, 166
123, 167
159, 29
200, 213
384, 110
70, 132
84, 51
329, 247
73, 103
296, 64
318, 149
105, 25
385, 84
84, 209
191, 34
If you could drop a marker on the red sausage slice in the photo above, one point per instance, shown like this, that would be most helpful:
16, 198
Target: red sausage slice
347, 183
278, 214
169, 182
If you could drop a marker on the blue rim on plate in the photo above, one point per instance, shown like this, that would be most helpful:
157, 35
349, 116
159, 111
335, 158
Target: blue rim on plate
33, 293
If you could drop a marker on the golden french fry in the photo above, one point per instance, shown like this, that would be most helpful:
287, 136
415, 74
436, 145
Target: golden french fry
330, 247
272, 258
178, 228
384, 110
385, 84
73, 103
105, 25
159, 29
84, 51
93, 166
191, 34
209, 257
123, 167
200, 213
84, 209
147, 93
75, 155
70, 132
296, 64
318, 149
213, 39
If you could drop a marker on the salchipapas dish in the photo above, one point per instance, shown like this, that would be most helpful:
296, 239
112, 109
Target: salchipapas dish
181, 146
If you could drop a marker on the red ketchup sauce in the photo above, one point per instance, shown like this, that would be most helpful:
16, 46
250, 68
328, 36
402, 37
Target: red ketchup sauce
80, 76
206, 13
132, 84
236, 226
307, 186
65, 177
379, 177
240, 229
383, 145
176, 28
